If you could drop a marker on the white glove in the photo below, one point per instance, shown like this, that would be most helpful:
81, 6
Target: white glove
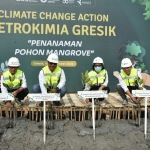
87, 88
116, 74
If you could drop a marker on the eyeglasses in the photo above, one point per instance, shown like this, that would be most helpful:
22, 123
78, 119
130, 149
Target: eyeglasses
126, 68
12, 67
51, 63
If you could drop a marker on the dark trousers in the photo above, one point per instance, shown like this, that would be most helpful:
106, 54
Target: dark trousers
122, 92
95, 88
22, 94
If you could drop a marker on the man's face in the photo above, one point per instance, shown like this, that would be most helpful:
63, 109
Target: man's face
127, 70
12, 69
52, 66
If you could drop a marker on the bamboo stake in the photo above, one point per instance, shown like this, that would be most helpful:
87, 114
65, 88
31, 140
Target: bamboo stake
93, 116
44, 123
32, 114
116, 113
145, 124
132, 112
128, 113
119, 111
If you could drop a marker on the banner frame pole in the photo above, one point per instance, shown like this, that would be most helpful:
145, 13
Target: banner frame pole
145, 123
44, 123
93, 116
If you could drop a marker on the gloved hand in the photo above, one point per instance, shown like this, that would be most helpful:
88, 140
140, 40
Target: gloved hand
116, 74
87, 88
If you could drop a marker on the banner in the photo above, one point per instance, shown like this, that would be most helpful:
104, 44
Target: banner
77, 31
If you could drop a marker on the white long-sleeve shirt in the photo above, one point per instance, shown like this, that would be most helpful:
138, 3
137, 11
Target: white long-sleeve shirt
106, 80
4, 90
123, 84
42, 81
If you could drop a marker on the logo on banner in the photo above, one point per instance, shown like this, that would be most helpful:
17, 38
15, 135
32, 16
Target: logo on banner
83, 2
68, 1
65, 1
43, 1
79, 1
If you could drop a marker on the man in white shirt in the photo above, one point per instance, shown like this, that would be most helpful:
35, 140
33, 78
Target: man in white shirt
51, 79
129, 79
14, 81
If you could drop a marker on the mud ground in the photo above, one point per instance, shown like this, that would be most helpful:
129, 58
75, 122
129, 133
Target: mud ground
70, 135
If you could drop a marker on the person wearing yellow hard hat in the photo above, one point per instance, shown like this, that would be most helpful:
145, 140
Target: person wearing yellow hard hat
51, 79
98, 78
14, 81
129, 78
